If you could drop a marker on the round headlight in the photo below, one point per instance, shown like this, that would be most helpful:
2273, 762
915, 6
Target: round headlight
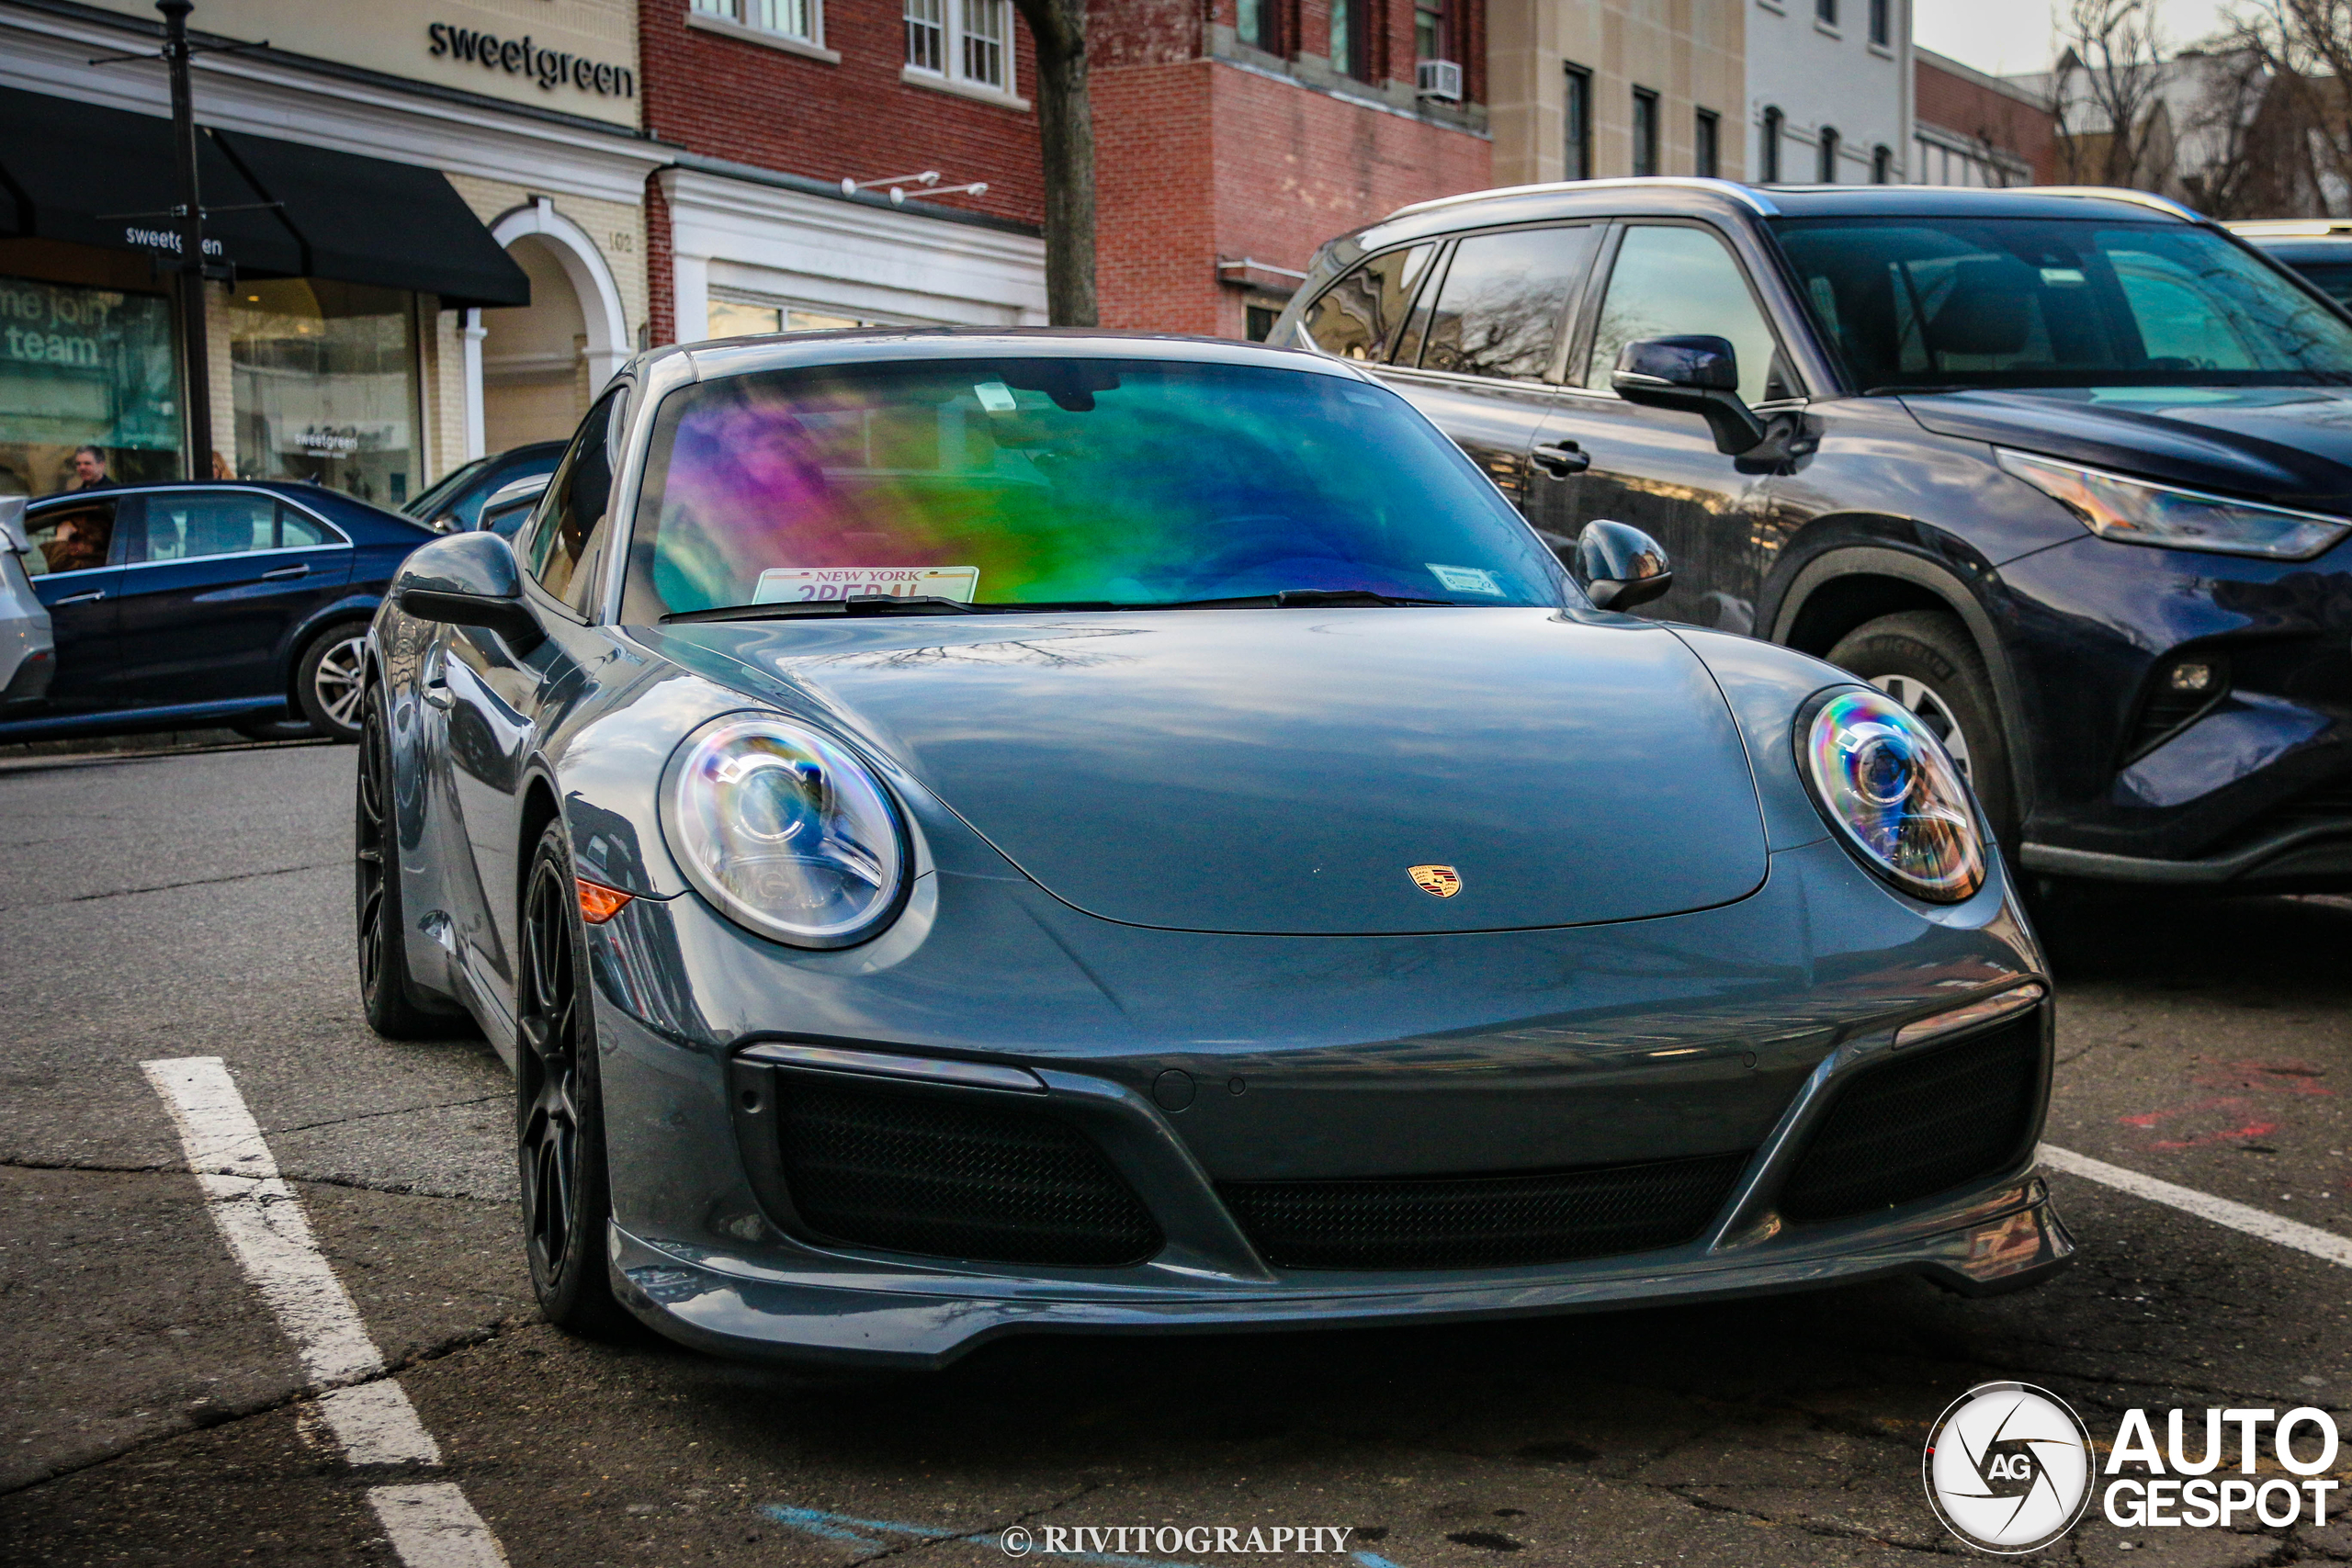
785, 830
1883, 781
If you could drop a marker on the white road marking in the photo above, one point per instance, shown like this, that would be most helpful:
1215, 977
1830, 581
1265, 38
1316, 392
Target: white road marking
2320, 1244
431, 1525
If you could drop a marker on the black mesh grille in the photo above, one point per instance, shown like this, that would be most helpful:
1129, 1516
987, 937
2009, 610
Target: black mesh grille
920, 1173
1482, 1221
1920, 1124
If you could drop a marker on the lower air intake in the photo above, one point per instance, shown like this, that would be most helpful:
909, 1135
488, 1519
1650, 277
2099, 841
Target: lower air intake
923, 1173
1482, 1221
1920, 1124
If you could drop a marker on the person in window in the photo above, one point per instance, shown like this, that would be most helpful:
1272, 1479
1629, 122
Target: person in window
90, 469
79, 544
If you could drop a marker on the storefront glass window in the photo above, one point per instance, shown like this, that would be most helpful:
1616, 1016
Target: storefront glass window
325, 378
84, 366
736, 318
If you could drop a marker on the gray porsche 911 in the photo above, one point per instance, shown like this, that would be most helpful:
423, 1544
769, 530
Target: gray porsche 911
961, 834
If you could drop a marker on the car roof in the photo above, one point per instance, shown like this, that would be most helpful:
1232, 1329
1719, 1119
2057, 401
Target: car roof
2298, 239
318, 498
1677, 195
733, 357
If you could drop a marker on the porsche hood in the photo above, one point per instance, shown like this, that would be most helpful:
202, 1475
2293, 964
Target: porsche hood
1298, 773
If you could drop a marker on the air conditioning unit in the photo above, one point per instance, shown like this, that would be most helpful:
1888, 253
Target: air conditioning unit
1439, 79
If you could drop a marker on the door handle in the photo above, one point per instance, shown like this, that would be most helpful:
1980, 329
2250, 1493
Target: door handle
434, 689
92, 597
1560, 458
298, 568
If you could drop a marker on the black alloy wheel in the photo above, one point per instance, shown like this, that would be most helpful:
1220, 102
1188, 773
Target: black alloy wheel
385, 991
559, 1114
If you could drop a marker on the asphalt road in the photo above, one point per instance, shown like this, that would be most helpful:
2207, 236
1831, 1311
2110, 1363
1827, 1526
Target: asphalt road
199, 906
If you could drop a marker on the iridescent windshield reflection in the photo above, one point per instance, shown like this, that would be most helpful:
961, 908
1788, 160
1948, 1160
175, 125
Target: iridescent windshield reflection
1069, 482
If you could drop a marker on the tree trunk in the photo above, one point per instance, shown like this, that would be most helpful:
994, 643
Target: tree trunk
1066, 129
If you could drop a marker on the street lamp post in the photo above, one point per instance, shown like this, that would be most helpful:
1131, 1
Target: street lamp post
198, 421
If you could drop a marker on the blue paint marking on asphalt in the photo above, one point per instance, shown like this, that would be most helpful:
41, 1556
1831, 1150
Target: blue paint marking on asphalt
847, 1527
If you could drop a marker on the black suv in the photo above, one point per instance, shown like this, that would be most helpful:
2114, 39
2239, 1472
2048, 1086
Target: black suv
2068, 471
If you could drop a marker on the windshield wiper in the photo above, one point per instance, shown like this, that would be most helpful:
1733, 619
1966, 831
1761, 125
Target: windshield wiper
1298, 599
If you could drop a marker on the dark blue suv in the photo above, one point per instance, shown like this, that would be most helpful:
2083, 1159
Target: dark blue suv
181, 606
2068, 471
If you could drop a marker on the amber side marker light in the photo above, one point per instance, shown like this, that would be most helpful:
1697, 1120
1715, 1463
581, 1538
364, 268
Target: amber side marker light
599, 903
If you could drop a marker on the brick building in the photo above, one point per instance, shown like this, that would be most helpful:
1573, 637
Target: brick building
1975, 129
1233, 136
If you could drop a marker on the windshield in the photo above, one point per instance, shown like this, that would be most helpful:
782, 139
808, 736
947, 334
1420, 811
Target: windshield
2052, 302
427, 503
1125, 483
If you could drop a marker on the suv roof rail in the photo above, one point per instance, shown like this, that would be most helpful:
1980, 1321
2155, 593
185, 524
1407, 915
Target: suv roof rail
2117, 192
2290, 228
1747, 195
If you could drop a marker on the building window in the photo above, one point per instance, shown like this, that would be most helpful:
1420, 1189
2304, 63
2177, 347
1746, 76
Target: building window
794, 18
1825, 12
1577, 121
323, 382
1347, 36
1258, 321
965, 40
1250, 18
1881, 24
739, 318
85, 366
1432, 38
1706, 140
1767, 148
1645, 131
1825, 171
1882, 166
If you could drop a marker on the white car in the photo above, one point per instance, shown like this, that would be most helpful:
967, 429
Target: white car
27, 655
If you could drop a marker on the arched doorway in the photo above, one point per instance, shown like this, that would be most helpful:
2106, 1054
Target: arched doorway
540, 365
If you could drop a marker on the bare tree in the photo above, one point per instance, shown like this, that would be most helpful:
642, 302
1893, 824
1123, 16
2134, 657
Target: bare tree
1065, 130
2110, 89
2306, 45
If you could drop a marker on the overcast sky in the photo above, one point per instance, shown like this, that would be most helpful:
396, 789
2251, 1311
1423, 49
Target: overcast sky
2009, 37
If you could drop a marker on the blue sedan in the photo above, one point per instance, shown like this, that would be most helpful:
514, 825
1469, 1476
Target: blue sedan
179, 606
969, 834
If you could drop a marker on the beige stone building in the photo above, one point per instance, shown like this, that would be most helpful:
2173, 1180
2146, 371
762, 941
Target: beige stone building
430, 242
1589, 89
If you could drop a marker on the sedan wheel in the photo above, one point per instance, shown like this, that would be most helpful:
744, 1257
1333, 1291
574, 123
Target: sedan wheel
331, 682
384, 991
558, 1121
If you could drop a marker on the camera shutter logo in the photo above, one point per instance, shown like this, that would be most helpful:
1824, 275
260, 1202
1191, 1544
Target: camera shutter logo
2008, 1467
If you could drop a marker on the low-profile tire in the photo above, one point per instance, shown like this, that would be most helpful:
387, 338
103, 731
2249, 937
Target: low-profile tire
1926, 660
387, 993
559, 1109
330, 680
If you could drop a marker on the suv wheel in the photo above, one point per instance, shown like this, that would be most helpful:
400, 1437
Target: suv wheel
329, 680
1926, 661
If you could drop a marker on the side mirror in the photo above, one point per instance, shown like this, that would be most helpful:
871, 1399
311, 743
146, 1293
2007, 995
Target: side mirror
1696, 375
503, 512
1619, 566
469, 580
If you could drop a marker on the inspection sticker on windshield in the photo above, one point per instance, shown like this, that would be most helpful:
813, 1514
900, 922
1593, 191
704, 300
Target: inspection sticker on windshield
1464, 578
800, 585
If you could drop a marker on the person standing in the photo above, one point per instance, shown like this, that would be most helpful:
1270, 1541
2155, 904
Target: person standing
90, 469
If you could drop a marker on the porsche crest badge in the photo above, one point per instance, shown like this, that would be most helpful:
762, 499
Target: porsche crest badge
1437, 881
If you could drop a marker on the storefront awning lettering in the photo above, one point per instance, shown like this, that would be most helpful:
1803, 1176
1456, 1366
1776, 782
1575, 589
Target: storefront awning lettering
99, 176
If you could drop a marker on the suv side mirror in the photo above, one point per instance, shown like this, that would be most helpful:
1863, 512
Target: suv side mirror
1697, 374
469, 580
1618, 566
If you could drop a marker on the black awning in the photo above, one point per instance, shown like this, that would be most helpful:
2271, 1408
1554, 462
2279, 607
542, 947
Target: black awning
101, 176
364, 220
